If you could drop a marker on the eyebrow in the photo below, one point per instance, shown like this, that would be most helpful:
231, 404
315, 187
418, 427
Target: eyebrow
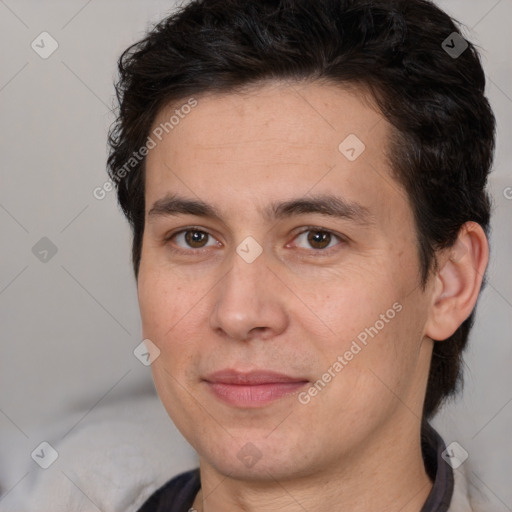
326, 204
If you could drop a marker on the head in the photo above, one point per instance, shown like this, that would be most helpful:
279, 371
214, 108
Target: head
266, 97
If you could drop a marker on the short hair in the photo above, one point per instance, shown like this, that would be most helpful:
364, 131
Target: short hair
443, 129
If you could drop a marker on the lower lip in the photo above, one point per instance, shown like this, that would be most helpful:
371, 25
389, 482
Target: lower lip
254, 396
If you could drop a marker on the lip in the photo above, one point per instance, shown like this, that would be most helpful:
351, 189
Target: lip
256, 388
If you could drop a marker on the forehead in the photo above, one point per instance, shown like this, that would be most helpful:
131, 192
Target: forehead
268, 141
275, 112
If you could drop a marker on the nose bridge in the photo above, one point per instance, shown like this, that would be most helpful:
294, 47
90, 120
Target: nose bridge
246, 276
245, 300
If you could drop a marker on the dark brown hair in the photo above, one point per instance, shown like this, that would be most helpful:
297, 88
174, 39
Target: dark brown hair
443, 141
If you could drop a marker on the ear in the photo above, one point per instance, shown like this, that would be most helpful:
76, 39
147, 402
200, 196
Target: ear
457, 282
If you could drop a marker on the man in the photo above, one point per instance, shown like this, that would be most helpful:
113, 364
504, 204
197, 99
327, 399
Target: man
305, 182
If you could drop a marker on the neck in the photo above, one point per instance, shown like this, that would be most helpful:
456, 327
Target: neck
387, 474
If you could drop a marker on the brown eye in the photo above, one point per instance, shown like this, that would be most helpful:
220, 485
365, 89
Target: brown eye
196, 239
187, 240
318, 239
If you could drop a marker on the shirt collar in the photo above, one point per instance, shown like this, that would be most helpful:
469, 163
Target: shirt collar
439, 471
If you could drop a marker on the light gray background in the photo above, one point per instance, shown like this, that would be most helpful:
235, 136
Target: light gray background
70, 325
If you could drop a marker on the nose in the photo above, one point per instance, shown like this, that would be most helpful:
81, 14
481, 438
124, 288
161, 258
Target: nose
250, 301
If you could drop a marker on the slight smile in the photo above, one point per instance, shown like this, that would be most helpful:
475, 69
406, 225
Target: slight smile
252, 389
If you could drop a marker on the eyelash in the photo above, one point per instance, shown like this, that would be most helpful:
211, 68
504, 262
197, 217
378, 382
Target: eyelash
319, 252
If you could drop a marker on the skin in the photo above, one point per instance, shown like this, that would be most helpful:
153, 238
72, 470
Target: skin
298, 306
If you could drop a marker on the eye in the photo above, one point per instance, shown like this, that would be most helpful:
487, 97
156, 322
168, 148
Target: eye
319, 239
192, 238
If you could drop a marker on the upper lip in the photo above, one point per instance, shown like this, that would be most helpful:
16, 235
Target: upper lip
251, 378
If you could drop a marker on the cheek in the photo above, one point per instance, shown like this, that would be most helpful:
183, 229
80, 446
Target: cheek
374, 328
352, 310
390, 362
171, 312
152, 304
161, 303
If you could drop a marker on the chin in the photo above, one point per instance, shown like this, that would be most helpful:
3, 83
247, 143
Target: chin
260, 460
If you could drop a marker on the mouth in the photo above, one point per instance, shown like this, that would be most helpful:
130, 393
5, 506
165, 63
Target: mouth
252, 389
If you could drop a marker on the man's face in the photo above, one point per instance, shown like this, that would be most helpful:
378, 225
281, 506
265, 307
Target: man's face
332, 303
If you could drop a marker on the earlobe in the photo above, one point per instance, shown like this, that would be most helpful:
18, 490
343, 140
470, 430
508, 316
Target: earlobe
457, 282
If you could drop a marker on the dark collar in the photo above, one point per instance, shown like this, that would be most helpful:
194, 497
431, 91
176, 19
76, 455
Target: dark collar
440, 473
